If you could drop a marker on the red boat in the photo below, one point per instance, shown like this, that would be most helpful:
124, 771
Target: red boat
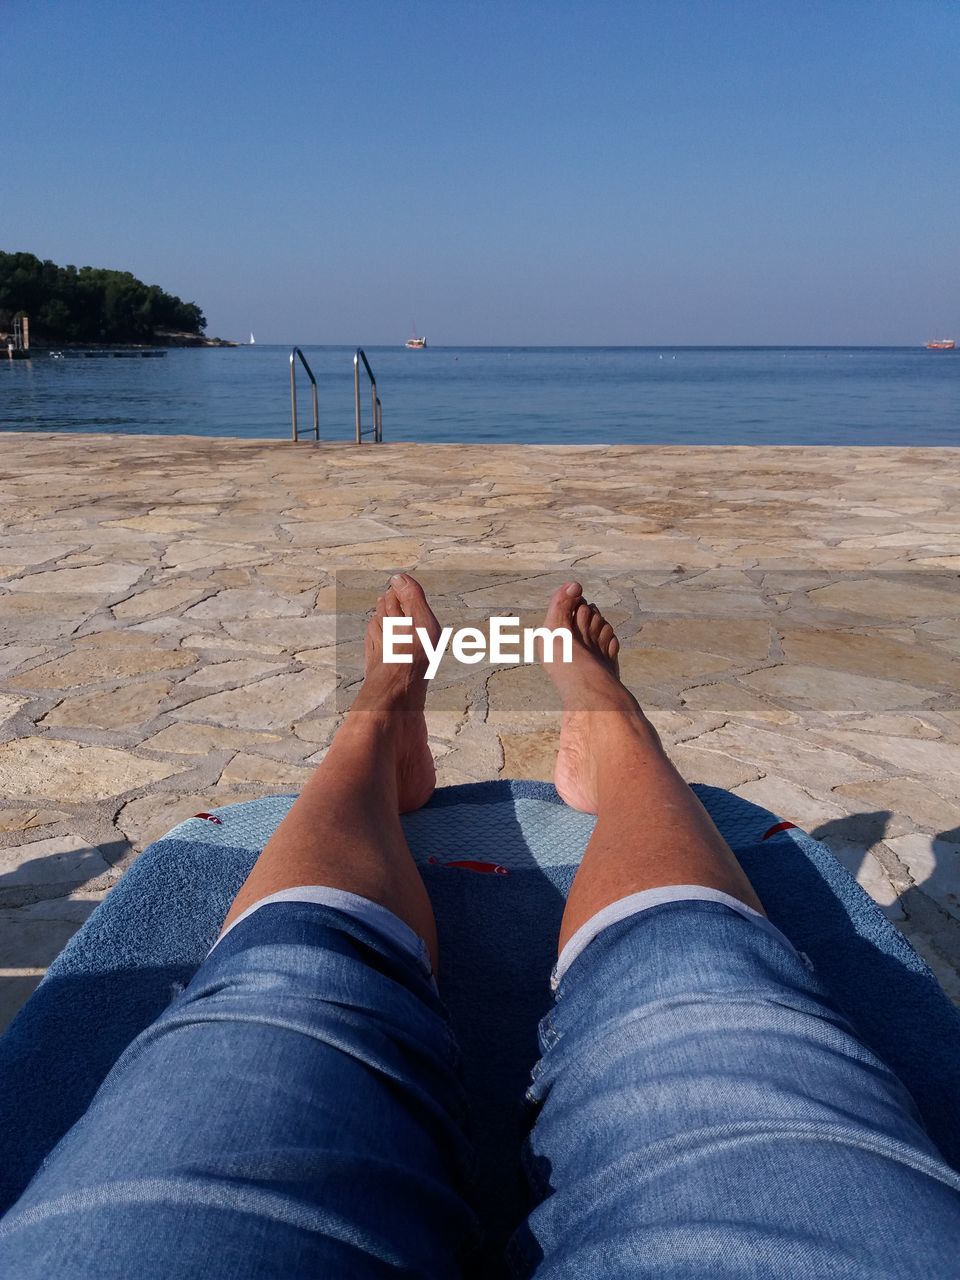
941, 344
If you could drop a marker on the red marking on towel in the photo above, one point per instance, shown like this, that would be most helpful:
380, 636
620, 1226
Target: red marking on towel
208, 817
485, 868
776, 828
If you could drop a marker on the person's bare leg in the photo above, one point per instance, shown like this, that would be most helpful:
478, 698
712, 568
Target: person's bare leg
651, 829
344, 830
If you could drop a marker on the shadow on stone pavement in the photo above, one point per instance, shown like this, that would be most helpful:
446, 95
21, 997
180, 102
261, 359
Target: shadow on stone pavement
926, 894
38, 920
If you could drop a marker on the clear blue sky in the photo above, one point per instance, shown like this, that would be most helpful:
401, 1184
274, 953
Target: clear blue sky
503, 173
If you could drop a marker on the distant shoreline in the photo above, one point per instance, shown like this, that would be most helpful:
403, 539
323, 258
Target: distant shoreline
170, 340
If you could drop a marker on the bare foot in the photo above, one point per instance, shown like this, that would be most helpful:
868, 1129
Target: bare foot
600, 715
396, 693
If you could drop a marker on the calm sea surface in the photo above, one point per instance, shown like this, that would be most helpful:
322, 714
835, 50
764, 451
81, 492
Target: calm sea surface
532, 395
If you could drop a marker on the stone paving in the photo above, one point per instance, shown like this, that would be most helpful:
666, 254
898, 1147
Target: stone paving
179, 623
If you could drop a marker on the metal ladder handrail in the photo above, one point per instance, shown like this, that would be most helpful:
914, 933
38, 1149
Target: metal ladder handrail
293, 394
377, 431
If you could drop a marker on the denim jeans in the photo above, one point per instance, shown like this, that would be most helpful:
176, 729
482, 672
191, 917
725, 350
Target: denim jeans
297, 1111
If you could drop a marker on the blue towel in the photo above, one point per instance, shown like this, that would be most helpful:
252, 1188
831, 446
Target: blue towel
497, 941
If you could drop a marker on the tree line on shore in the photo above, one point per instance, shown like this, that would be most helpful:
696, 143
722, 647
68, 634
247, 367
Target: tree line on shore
89, 304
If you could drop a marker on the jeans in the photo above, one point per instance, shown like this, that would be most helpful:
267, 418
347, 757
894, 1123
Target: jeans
702, 1111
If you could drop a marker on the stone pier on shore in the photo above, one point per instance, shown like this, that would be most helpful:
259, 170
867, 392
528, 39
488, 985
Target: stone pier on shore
180, 624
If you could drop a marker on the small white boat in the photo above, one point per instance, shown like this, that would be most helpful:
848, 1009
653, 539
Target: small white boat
413, 343
253, 341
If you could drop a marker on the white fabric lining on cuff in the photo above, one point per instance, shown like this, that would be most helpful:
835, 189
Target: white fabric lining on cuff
370, 913
634, 903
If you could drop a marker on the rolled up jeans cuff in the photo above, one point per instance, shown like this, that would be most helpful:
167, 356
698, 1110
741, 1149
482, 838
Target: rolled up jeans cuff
368, 912
634, 903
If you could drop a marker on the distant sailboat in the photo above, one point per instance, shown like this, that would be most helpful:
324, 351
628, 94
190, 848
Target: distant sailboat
253, 341
414, 343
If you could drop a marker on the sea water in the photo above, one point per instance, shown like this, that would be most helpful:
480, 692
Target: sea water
506, 395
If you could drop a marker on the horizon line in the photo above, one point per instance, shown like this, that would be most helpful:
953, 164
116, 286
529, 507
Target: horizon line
611, 346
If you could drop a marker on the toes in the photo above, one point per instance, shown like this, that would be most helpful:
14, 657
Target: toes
392, 607
582, 619
373, 640
613, 647
408, 592
562, 605
596, 623
604, 637
412, 600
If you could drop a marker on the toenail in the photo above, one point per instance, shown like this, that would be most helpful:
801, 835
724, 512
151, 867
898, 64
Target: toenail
572, 589
398, 580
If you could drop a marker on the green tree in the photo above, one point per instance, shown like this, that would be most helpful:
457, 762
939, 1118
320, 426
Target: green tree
91, 304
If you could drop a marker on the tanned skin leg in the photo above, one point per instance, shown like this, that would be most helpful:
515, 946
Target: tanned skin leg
651, 829
344, 830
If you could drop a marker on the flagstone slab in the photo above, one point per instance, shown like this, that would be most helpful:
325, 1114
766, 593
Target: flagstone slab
33, 934
737, 702
532, 754
147, 818
154, 524
126, 707
230, 575
291, 579
232, 671
884, 596
247, 603
790, 802
273, 703
184, 509
190, 553
871, 655
288, 633
871, 875
347, 533
103, 579
672, 725
747, 640
9, 706
100, 664
317, 731
703, 602
938, 562
714, 768
906, 726
112, 637
28, 819
934, 867
26, 618
326, 656
71, 773
908, 755
170, 598
816, 767
655, 666
220, 640
923, 805
246, 768
444, 723
833, 692
188, 739
28, 551
61, 860
476, 752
